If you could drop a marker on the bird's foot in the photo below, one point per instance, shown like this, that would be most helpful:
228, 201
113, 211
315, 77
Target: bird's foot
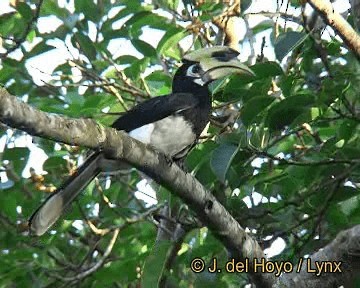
169, 160
182, 166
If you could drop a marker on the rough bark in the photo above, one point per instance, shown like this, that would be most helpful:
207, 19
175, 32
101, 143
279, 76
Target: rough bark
338, 23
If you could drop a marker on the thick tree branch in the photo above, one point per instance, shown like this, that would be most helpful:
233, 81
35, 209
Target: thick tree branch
117, 144
226, 22
345, 248
338, 23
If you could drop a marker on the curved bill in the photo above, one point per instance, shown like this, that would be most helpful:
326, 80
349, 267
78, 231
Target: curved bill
217, 62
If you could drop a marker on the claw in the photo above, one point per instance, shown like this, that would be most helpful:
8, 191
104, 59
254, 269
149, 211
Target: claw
169, 160
181, 164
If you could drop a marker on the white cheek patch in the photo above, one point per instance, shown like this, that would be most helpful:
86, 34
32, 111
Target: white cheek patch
143, 133
199, 81
196, 77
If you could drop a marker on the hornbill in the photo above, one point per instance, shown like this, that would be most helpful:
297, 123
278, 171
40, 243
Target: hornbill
171, 124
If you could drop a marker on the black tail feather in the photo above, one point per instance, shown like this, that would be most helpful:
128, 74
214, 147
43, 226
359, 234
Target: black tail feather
52, 208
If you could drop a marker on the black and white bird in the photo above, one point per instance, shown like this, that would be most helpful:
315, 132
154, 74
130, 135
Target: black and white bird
171, 124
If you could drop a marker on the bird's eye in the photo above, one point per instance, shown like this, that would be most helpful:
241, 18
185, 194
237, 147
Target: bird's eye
195, 69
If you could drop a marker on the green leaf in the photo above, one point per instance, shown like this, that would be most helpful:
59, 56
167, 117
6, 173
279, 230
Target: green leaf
7, 23
51, 7
18, 156
168, 45
258, 136
287, 110
221, 160
126, 59
154, 264
39, 48
8, 204
147, 19
200, 154
238, 89
262, 26
136, 68
253, 107
86, 45
89, 9
139, 16
336, 218
345, 193
267, 69
169, 4
20, 87
30, 37
350, 206
94, 103
73, 98
287, 42
159, 83
296, 3
56, 163
144, 48
211, 8
347, 129
24, 10
6, 73
245, 4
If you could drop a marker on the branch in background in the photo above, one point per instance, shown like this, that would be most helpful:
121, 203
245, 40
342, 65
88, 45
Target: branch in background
226, 22
338, 23
96, 266
249, 35
269, 14
308, 163
166, 225
105, 255
314, 27
345, 248
179, 236
117, 144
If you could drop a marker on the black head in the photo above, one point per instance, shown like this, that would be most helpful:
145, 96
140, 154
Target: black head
205, 65
188, 78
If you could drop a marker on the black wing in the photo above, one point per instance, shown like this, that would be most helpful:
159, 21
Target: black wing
155, 109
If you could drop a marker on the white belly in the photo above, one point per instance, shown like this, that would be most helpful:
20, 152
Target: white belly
169, 135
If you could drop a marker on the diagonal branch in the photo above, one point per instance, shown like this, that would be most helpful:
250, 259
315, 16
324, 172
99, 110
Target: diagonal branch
344, 252
117, 144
